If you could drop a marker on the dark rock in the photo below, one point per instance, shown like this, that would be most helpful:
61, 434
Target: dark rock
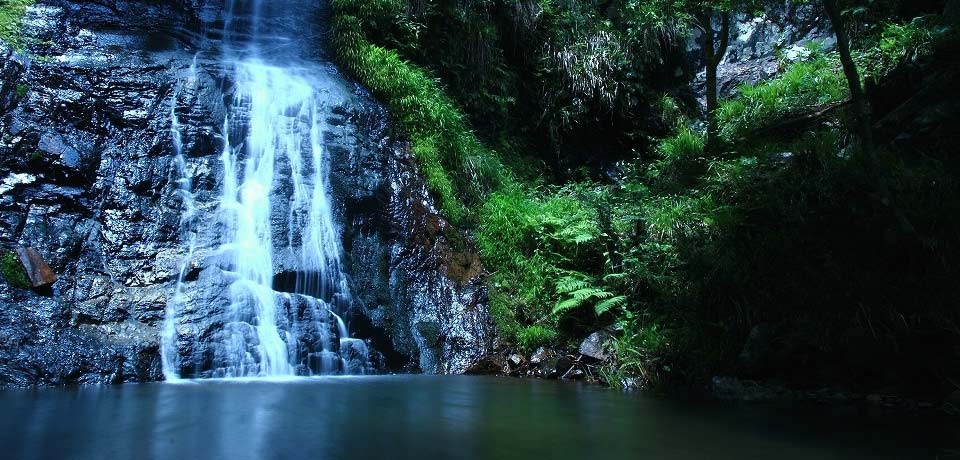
544, 363
488, 365
36, 268
595, 346
542, 355
92, 114
757, 351
574, 373
415, 278
514, 365
564, 363
54, 145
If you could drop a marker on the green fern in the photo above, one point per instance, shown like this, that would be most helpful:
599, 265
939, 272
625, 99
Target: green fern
577, 290
606, 305
570, 283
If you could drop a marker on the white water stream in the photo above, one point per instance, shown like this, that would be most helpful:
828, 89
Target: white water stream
274, 188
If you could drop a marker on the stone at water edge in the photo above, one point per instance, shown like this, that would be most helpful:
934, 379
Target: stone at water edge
542, 355
544, 362
594, 346
564, 364
488, 365
513, 364
37, 270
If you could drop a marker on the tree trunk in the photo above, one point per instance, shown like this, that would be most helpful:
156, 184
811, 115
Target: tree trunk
713, 58
861, 109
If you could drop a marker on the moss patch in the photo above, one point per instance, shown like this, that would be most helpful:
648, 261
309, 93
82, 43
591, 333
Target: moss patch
13, 271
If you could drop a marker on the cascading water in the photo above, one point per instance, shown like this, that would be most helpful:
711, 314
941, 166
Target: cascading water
273, 211
187, 230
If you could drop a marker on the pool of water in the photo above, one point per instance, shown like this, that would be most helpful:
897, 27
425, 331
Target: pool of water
431, 417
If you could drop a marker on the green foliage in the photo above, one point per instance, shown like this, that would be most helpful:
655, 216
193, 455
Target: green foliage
532, 337
805, 86
11, 21
21, 91
457, 167
528, 239
12, 270
636, 354
685, 144
577, 289
685, 251
681, 158
900, 43
672, 217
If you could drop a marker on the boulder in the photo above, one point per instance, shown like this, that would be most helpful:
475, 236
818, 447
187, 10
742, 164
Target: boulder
594, 346
37, 270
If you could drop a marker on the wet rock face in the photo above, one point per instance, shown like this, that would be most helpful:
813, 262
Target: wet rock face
85, 172
761, 46
417, 284
88, 177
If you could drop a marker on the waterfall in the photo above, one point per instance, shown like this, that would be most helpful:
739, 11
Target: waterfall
187, 230
279, 244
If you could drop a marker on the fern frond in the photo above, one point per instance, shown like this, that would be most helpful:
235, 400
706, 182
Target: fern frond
591, 292
565, 305
571, 283
614, 277
606, 305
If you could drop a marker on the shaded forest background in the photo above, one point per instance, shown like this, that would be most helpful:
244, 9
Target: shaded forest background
788, 245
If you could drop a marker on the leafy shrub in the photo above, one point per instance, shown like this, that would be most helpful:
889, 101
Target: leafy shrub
671, 217
527, 240
683, 254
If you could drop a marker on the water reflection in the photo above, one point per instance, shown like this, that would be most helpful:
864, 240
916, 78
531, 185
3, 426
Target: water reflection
434, 418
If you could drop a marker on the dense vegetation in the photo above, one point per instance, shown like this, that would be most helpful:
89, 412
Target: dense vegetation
11, 21
564, 135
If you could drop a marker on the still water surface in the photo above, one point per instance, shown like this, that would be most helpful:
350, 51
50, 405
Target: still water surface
432, 418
